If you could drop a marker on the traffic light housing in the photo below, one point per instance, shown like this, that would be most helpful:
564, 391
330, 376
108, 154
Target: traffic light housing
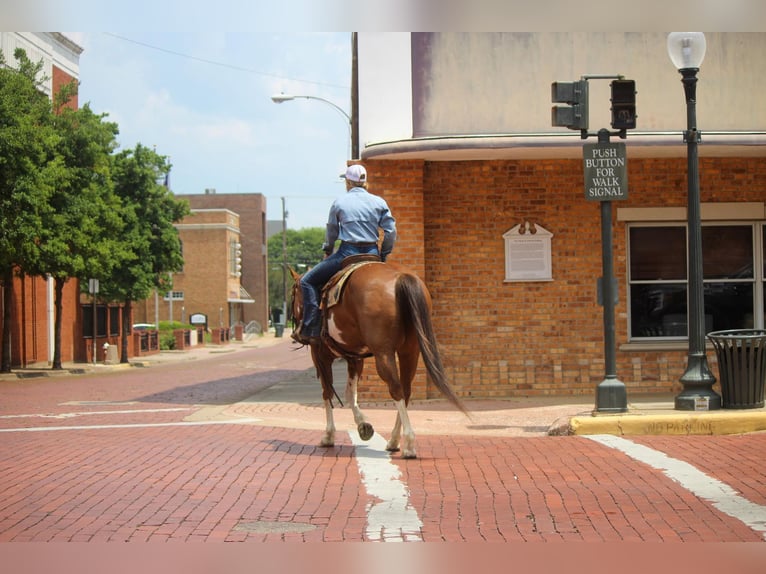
574, 115
623, 104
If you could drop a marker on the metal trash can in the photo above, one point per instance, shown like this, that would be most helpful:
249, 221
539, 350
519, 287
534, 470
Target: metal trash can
279, 330
741, 367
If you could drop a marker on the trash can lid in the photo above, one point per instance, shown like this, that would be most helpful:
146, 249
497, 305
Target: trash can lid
738, 333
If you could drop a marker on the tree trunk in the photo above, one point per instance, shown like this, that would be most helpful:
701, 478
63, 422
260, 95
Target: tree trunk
7, 279
126, 329
59, 304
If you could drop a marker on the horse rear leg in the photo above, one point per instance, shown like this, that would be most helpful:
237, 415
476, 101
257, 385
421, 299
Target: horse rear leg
402, 435
355, 369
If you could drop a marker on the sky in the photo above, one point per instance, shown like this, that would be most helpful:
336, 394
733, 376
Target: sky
204, 100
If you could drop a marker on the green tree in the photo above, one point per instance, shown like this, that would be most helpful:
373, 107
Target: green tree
80, 230
27, 143
304, 249
151, 247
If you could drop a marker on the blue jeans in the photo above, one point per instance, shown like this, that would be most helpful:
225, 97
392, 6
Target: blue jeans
314, 279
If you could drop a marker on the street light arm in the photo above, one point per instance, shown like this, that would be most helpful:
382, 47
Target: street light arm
279, 98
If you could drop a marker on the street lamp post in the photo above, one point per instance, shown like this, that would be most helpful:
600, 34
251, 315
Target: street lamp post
279, 98
687, 50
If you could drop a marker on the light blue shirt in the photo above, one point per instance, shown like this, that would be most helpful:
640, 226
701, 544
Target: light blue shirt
356, 217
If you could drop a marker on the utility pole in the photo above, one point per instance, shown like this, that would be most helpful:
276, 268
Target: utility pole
284, 263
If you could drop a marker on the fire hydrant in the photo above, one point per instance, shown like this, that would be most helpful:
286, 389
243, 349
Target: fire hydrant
106, 351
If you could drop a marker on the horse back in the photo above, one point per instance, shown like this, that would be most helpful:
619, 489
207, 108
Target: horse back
368, 316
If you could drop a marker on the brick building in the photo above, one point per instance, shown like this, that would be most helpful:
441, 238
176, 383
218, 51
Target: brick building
32, 315
251, 209
456, 135
225, 274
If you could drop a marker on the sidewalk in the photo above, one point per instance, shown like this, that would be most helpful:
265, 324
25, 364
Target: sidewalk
297, 404
196, 352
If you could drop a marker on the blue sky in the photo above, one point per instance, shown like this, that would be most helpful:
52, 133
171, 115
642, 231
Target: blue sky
204, 100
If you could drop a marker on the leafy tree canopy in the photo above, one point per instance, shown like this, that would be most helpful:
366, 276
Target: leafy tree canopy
304, 249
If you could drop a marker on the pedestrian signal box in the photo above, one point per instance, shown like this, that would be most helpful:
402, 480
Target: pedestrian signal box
623, 104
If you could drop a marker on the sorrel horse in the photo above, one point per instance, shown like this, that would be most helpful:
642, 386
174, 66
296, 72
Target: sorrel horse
385, 313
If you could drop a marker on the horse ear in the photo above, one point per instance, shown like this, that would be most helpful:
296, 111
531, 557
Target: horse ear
295, 275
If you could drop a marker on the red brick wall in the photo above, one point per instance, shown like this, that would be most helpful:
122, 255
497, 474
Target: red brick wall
60, 79
251, 208
509, 339
30, 323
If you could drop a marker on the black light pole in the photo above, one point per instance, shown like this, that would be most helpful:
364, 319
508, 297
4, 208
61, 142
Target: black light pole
687, 50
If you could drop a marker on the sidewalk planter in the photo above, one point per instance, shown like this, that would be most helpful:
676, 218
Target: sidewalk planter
181, 339
220, 336
146, 343
741, 367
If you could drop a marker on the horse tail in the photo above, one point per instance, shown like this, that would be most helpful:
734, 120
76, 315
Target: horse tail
413, 309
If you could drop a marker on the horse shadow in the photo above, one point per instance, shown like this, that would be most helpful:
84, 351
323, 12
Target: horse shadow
225, 391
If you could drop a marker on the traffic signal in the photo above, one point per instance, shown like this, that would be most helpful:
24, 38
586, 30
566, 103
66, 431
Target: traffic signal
623, 104
574, 115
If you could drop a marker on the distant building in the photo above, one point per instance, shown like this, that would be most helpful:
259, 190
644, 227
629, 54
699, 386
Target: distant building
209, 284
250, 211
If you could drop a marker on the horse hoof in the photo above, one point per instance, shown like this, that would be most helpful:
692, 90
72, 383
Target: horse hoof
327, 442
365, 431
409, 455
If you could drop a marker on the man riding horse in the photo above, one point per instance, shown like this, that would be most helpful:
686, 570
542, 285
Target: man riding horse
355, 219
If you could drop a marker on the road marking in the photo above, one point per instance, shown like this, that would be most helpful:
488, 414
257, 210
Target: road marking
391, 518
137, 425
719, 494
79, 414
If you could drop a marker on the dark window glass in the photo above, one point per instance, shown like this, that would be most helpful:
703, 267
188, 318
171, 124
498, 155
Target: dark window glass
658, 310
87, 321
658, 282
727, 252
728, 306
114, 321
657, 253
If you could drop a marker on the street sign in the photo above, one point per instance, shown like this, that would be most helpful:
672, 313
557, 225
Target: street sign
606, 171
92, 286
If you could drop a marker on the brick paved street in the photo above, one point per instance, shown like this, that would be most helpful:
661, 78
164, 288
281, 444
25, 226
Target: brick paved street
223, 448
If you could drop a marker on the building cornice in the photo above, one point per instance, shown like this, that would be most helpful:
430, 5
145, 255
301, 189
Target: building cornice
548, 145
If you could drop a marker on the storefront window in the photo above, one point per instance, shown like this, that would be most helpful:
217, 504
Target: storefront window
658, 279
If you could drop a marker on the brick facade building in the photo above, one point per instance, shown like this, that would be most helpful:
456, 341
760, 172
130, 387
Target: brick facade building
501, 338
225, 264
474, 156
251, 209
32, 313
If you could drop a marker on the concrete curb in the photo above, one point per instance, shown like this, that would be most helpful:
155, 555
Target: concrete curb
696, 423
197, 352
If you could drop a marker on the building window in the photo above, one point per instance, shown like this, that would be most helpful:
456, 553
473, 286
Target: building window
174, 295
114, 321
733, 276
87, 321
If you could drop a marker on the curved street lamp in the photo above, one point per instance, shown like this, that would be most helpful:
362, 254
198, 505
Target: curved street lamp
686, 51
279, 98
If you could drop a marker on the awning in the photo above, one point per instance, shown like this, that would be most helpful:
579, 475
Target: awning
244, 297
